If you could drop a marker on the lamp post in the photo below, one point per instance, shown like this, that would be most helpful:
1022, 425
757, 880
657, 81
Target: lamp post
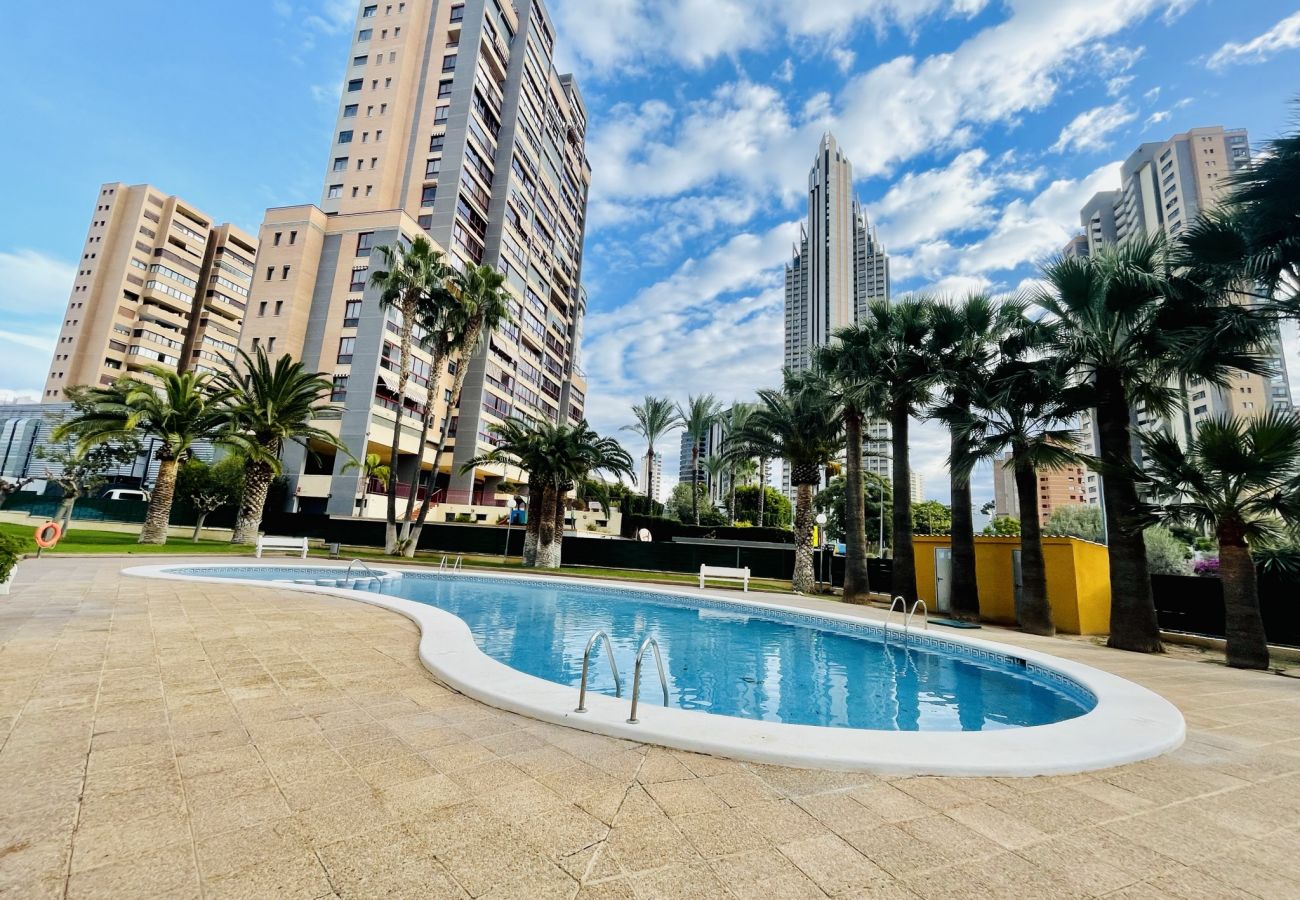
819, 549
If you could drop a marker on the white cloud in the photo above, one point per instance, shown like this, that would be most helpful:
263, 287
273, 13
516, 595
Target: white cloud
785, 72
33, 296
602, 37
1091, 130
843, 59
1285, 35
921, 206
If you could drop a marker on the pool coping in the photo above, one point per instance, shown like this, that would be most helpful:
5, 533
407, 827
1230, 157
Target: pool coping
1129, 722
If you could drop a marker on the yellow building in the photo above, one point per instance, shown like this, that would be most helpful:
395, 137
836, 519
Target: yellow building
1078, 579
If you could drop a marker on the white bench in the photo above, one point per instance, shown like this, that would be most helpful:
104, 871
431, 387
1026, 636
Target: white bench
287, 544
717, 573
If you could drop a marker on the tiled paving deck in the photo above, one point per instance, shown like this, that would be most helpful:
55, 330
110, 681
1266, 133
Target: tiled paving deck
175, 740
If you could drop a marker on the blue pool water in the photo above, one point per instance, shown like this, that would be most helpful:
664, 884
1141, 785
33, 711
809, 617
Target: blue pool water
733, 660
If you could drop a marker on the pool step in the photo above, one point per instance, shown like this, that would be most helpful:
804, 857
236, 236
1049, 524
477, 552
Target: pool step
357, 583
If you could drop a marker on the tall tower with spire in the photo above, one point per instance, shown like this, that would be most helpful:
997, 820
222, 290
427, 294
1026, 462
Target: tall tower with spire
839, 267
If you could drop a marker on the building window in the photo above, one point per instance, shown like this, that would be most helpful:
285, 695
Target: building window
270, 270
339, 393
279, 305
346, 347
440, 114
435, 143
340, 164
431, 167
428, 195
458, 13
363, 34
276, 240
293, 236
355, 84
444, 88
350, 111
345, 137
369, 12
365, 240
335, 191
352, 314
360, 60
449, 62
284, 273
270, 344
261, 308
358, 279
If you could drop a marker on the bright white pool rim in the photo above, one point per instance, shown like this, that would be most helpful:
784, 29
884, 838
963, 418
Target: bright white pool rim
1128, 724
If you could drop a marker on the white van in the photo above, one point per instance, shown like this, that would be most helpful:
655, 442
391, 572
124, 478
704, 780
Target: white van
126, 494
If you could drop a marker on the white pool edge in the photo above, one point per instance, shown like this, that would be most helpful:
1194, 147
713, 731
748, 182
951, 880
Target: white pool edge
1128, 724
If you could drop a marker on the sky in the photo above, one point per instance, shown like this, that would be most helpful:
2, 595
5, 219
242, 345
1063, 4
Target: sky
977, 130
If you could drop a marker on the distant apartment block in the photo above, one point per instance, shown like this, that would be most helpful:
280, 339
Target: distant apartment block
1164, 186
453, 123
1056, 488
158, 283
916, 487
651, 476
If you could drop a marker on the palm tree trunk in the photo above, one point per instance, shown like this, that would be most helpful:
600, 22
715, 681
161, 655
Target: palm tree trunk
404, 541
1133, 623
532, 527
546, 550
904, 570
649, 472
457, 385
1247, 643
804, 581
160, 504
257, 481
857, 582
1035, 609
762, 490
964, 589
561, 508
403, 372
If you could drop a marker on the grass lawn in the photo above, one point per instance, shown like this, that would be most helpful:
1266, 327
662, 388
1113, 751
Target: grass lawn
84, 539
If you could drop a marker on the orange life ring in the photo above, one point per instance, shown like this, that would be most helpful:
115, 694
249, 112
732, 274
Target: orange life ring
48, 535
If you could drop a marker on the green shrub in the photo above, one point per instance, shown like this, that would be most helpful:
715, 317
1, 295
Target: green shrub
1166, 554
464, 517
11, 550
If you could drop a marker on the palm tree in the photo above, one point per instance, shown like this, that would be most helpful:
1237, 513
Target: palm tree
1131, 328
180, 410
741, 467
269, 406
409, 280
655, 417
556, 458
896, 342
371, 467
1021, 406
802, 426
966, 338
715, 466
851, 366
1240, 477
482, 305
697, 417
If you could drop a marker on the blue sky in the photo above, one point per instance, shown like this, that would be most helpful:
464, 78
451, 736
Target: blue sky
977, 129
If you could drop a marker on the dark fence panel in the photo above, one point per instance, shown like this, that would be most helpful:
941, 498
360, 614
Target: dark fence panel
662, 529
1195, 604
128, 511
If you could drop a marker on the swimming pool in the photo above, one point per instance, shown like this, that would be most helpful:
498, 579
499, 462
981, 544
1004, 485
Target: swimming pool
762, 675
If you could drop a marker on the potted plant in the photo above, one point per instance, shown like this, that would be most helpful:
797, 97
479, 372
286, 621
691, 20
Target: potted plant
11, 550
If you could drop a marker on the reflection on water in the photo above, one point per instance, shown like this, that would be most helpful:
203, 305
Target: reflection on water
730, 663
743, 665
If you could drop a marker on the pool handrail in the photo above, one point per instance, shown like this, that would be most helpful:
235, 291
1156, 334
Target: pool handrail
636, 675
347, 575
925, 615
586, 662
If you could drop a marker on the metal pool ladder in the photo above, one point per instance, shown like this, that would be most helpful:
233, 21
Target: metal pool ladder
636, 675
347, 576
586, 662
901, 605
455, 566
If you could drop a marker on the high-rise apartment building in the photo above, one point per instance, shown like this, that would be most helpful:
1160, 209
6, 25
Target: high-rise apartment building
1056, 488
158, 284
916, 487
839, 267
453, 123
1164, 186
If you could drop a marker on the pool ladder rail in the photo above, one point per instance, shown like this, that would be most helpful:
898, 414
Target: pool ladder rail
648, 644
901, 605
455, 566
347, 575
